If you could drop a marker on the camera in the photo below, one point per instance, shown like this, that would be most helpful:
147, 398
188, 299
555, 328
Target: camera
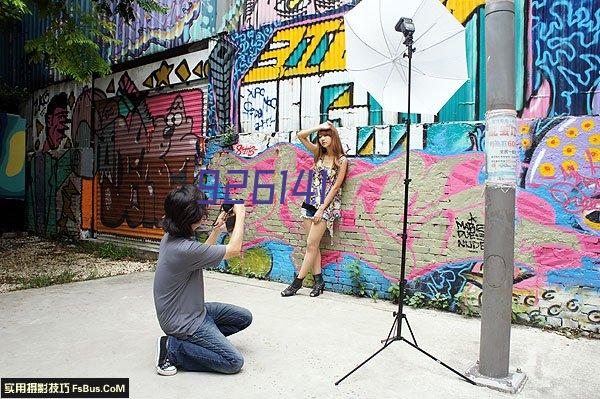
230, 218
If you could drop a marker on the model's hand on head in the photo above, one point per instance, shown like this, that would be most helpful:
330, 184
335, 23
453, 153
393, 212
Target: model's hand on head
325, 125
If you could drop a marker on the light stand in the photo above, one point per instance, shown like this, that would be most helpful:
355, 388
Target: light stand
407, 28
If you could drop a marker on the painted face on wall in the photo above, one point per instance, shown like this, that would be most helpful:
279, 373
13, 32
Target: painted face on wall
57, 121
173, 127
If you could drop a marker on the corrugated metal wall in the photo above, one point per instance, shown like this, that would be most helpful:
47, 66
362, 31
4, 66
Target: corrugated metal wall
564, 56
14, 68
14, 65
258, 13
146, 144
464, 105
185, 22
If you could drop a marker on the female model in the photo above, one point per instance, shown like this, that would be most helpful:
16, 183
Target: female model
323, 209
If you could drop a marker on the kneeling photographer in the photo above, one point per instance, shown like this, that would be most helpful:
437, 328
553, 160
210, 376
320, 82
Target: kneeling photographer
195, 331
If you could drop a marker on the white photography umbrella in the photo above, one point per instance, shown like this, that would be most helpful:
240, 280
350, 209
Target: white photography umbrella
375, 53
435, 67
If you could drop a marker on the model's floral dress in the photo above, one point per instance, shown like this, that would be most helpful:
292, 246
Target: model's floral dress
321, 172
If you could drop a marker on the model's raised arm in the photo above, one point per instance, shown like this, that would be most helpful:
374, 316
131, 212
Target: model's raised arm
304, 134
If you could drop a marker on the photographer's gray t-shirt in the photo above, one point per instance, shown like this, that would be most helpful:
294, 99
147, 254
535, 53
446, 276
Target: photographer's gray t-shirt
179, 284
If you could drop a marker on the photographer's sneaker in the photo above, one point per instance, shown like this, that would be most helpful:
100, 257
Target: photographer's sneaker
163, 366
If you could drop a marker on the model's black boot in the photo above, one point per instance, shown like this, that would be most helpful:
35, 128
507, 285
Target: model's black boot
293, 288
319, 285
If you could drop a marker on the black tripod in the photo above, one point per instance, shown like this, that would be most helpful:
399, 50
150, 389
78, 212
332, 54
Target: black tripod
405, 26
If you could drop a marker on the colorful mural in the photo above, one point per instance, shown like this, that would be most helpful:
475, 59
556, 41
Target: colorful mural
288, 52
147, 144
562, 62
12, 156
260, 12
181, 69
184, 22
558, 237
283, 70
53, 179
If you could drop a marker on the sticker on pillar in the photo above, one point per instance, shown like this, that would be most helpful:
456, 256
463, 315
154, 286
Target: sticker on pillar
501, 147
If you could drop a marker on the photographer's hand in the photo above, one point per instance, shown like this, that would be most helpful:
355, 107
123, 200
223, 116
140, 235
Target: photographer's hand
218, 228
220, 223
234, 248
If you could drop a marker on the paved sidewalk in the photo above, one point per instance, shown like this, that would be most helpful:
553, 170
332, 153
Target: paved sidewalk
296, 347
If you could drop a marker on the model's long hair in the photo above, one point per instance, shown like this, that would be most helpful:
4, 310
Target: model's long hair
182, 210
335, 148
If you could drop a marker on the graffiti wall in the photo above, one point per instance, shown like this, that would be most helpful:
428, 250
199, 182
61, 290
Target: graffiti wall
53, 177
150, 129
184, 22
104, 166
260, 12
109, 169
284, 67
147, 144
12, 156
557, 248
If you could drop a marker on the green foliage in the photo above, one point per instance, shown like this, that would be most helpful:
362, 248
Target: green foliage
374, 295
70, 44
108, 250
13, 10
359, 285
125, 8
421, 300
439, 301
465, 306
417, 300
115, 252
93, 275
356, 276
46, 280
228, 137
394, 291
255, 262
535, 318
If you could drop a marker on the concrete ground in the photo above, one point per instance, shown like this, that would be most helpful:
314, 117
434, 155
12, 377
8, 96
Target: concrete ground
296, 347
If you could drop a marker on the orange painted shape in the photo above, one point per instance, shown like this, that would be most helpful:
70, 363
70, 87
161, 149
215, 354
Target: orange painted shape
87, 186
124, 229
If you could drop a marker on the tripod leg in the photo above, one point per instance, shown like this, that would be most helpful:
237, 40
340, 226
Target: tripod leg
363, 363
411, 331
394, 327
439, 361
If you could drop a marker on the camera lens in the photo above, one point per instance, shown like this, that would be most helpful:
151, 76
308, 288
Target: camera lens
230, 223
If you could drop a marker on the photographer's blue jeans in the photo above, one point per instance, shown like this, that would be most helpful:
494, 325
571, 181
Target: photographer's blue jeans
208, 349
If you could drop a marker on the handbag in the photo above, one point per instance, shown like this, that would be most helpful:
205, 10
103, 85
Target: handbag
309, 207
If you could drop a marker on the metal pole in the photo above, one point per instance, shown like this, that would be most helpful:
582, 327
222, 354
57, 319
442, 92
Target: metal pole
402, 282
501, 160
499, 242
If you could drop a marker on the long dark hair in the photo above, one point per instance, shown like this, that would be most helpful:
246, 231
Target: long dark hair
182, 210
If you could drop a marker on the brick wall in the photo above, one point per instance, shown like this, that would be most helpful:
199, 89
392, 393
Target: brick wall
557, 246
